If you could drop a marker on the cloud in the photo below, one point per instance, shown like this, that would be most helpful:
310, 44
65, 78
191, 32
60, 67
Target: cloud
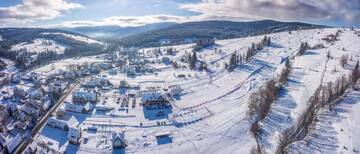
347, 11
124, 21
31, 10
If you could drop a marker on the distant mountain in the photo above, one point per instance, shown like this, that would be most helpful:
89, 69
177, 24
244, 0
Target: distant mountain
188, 32
117, 32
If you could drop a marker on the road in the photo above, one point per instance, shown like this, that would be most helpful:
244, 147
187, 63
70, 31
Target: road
44, 119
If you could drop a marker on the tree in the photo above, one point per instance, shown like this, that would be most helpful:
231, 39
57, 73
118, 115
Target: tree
303, 48
192, 59
344, 60
355, 75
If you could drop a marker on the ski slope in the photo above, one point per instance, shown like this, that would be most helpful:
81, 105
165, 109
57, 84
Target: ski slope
211, 114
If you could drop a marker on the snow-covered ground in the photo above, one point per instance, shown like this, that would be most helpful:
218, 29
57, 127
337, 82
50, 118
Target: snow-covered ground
60, 65
76, 37
39, 46
211, 114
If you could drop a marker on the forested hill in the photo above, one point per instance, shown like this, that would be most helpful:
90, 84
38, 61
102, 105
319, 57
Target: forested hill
40, 45
187, 32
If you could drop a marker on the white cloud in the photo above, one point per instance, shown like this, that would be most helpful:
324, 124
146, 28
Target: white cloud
31, 10
305, 10
124, 21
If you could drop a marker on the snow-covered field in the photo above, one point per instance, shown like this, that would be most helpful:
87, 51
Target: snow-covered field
60, 65
39, 45
211, 115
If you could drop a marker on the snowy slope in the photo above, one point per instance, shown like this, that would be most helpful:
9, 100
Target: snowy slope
211, 115
39, 45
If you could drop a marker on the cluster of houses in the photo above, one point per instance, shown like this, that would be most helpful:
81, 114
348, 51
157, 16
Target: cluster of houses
151, 95
4, 78
22, 104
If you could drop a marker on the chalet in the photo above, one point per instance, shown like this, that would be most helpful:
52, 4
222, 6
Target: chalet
72, 122
123, 84
62, 124
154, 98
88, 107
74, 108
20, 92
118, 140
60, 113
4, 78
90, 84
84, 97
47, 145
53, 122
131, 93
175, 90
163, 137
29, 110
135, 86
97, 82
46, 104
15, 78
74, 135
57, 86
36, 93
32, 148
21, 125
12, 108
3, 143
103, 108
27, 77
4, 114
163, 134
69, 75
13, 143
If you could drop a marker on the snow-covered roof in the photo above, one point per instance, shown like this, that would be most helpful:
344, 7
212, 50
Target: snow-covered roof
166, 133
151, 96
118, 136
73, 107
86, 95
72, 122
14, 142
88, 106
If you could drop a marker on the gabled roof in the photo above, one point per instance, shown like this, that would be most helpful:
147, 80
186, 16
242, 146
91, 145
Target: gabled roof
72, 122
14, 143
88, 106
152, 96
86, 95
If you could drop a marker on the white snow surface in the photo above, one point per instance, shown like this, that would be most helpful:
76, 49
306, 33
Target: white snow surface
39, 45
211, 117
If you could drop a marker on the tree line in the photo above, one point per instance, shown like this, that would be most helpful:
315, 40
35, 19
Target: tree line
260, 101
238, 58
324, 96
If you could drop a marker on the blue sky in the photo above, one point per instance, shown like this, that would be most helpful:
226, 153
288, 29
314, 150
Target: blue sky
72, 13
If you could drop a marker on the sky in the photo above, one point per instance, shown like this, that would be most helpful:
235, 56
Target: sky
75, 13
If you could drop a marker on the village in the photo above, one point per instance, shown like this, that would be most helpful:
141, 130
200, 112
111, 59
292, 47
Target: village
41, 100
184, 98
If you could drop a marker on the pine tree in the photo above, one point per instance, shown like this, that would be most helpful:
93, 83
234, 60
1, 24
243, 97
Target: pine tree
193, 59
355, 75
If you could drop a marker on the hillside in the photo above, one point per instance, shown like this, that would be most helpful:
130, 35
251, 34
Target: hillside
116, 32
211, 114
188, 32
34, 41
